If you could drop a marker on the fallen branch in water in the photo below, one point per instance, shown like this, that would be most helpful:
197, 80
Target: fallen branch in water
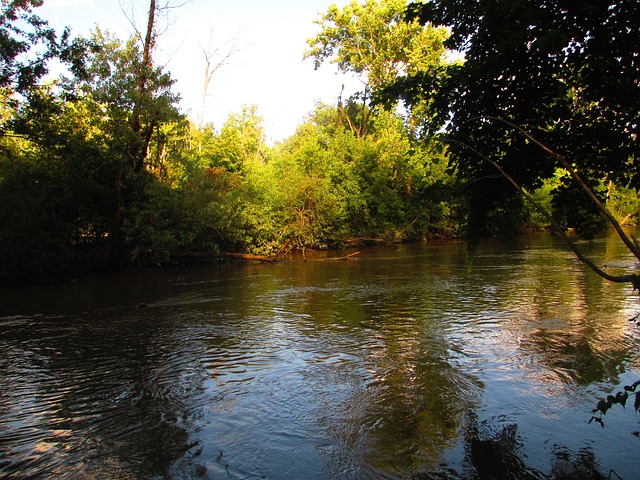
346, 257
240, 256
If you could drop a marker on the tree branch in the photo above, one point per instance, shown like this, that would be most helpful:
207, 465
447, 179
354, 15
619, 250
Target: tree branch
632, 246
630, 278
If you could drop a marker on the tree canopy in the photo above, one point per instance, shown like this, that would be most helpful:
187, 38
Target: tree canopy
566, 72
27, 43
100, 169
373, 41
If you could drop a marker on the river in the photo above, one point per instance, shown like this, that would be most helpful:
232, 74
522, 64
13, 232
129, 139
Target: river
405, 362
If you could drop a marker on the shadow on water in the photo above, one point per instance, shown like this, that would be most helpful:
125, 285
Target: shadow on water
496, 455
402, 364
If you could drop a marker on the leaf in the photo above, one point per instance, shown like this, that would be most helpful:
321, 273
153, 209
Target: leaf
621, 398
603, 405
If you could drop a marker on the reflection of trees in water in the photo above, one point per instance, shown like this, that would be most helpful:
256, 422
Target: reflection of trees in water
573, 322
366, 362
566, 324
575, 356
111, 395
410, 410
385, 389
495, 454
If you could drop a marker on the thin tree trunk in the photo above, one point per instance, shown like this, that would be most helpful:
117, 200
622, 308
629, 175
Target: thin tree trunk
138, 150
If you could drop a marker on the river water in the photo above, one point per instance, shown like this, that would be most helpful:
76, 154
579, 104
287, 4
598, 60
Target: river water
407, 362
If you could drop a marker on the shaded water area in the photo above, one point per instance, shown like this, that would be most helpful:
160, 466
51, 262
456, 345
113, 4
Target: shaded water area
404, 363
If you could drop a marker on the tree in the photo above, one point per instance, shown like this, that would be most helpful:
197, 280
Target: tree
88, 139
567, 73
335, 184
241, 140
27, 43
372, 41
56, 188
136, 98
544, 85
214, 59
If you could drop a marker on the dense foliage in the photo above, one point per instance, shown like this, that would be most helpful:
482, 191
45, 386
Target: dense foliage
99, 169
566, 72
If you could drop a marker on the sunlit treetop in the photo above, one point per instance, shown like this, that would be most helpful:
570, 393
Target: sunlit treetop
373, 41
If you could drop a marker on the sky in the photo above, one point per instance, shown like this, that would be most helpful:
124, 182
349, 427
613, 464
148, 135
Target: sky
268, 71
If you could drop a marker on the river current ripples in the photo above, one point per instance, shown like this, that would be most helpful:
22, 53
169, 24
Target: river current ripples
414, 362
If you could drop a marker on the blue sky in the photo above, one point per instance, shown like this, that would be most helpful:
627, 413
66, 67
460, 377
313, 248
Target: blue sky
268, 71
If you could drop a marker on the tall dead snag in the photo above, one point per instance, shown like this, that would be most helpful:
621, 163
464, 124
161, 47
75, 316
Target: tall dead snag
214, 59
137, 145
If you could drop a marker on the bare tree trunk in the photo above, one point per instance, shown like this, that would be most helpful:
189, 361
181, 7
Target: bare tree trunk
224, 52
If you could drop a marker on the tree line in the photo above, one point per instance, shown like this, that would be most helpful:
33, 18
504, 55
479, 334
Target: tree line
99, 169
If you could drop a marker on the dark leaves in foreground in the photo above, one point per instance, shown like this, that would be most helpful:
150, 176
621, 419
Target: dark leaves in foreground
620, 398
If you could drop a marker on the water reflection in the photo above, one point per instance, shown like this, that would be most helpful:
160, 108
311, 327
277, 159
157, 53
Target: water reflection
89, 396
402, 363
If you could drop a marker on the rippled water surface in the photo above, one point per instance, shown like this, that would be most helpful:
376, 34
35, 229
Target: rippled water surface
404, 362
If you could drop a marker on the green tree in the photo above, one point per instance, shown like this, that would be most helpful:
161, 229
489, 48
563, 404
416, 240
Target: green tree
336, 184
372, 40
566, 73
544, 85
27, 43
134, 100
78, 157
309, 198
224, 181
241, 140
56, 189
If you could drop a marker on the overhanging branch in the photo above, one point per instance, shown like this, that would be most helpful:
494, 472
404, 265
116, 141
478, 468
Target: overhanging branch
629, 243
630, 278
